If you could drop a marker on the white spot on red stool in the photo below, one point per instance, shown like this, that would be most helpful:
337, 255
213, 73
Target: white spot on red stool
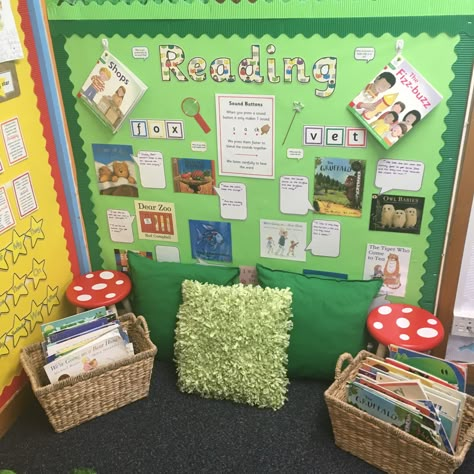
106, 275
119, 282
99, 286
407, 310
384, 310
110, 295
427, 332
404, 337
378, 325
78, 288
432, 321
84, 297
90, 275
403, 323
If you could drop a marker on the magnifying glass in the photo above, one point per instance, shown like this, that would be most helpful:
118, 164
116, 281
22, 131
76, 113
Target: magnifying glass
190, 107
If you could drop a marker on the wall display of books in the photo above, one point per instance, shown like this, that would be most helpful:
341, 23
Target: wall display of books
219, 146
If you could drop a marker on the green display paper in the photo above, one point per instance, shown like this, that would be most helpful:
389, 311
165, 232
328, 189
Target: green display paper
329, 111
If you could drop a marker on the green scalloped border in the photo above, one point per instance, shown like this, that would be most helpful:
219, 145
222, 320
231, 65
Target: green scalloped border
452, 25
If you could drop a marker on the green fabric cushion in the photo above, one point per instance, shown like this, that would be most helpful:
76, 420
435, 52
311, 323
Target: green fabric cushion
156, 293
231, 343
329, 318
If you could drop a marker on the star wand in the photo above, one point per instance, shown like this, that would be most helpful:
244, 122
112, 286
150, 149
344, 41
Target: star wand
297, 107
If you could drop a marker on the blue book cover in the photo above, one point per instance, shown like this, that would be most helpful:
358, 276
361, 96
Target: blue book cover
71, 321
76, 330
391, 412
211, 240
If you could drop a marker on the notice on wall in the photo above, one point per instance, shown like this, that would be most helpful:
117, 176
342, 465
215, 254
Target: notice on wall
156, 220
6, 217
25, 195
14, 144
246, 135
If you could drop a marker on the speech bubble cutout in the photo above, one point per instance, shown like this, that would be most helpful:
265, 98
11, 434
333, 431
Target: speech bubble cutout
364, 54
294, 153
233, 200
120, 225
140, 52
199, 146
294, 195
152, 171
399, 174
325, 238
167, 254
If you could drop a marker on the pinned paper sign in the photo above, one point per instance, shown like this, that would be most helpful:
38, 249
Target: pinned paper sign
120, 225
233, 198
294, 192
152, 173
399, 174
325, 238
140, 52
294, 153
364, 54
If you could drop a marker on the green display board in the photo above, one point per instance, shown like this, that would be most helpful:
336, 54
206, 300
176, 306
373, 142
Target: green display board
242, 149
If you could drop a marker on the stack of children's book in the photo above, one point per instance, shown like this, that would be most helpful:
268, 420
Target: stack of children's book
83, 342
420, 394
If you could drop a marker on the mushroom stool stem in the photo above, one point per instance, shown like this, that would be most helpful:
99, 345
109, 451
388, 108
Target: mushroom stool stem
100, 288
406, 326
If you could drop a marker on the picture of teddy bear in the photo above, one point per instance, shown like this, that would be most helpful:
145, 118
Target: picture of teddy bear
105, 174
120, 170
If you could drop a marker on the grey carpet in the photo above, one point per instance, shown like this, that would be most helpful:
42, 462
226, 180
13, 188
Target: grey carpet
170, 432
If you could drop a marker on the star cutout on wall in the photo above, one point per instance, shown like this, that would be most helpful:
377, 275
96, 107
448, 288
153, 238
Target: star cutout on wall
3, 345
17, 245
3, 262
51, 299
34, 316
18, 330
4, 308
298, 106
37, 273
36, 231
18, 288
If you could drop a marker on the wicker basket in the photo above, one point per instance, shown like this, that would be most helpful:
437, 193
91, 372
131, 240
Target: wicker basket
78, 399
382, 444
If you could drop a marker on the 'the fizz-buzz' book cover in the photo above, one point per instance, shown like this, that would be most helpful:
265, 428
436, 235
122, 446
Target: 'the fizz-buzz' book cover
391, 105
111, 90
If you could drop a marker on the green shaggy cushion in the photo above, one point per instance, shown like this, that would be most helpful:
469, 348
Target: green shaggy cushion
329, 318
156, 293
231, 343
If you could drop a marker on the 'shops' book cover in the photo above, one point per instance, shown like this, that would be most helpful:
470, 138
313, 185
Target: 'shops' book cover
111, 90
391, 105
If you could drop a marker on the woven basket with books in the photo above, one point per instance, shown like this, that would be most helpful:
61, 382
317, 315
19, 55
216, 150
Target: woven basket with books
381, 444
77, 399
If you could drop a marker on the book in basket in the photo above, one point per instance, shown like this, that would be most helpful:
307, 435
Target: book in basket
106, 349
394, 101
111, 90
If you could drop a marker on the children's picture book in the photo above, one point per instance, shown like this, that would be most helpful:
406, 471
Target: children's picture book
64, 334
338, 186
391, 264
284, 240
393, 213
72, 321
394, 101
111, 90
392, 411
121, 259
211, 240
115, 170
106, 349
460, 349
194, 176
454, 374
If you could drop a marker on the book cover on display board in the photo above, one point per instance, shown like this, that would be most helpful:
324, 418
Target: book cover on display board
397, 98
111, 90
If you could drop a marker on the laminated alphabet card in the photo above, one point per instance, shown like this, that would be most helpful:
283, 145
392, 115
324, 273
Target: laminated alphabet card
111, 90
394, 101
